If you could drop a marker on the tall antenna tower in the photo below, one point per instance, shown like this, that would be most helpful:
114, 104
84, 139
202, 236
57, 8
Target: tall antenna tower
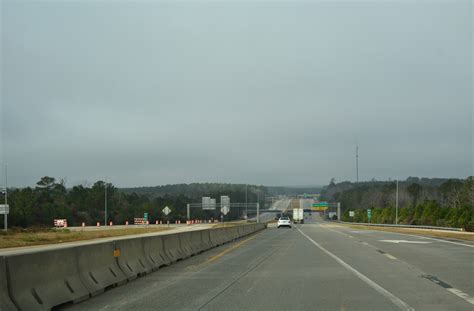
357, 164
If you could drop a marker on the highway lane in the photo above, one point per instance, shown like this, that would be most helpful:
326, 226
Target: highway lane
312, 266
281, 205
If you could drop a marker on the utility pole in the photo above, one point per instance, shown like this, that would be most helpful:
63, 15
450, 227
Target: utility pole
396, 206
105, 201
258, 206
5, 216
246, 202
357, 164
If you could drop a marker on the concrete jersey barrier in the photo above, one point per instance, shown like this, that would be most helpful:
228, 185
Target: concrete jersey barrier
191, 242
172, 247
155, 252
219, 236
42, 280
5, 302
131, 258
98, 267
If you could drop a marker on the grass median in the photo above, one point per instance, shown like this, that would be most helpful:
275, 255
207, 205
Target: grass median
40, 236
468, 236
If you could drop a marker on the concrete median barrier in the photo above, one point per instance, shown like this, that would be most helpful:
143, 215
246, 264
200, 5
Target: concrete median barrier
5, 302
186, 242
42, 280
206, 239
172, 247
131, 258
234, 233
98, 267
192, 242
218, 236
154, 250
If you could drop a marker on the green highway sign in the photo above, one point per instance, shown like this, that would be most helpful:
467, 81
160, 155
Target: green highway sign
369, 214
320, 204
145, 215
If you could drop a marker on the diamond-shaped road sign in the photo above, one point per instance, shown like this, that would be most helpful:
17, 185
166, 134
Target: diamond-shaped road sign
166, 210
225, 209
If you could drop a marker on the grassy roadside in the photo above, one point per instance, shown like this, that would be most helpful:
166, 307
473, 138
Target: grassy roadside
29, 237
468, 236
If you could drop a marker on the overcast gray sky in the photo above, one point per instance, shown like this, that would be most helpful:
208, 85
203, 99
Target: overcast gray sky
266, 92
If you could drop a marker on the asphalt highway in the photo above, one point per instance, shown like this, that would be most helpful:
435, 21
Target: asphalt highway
281, 205
314, 266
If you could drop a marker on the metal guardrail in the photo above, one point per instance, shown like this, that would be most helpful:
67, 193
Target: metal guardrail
401, 226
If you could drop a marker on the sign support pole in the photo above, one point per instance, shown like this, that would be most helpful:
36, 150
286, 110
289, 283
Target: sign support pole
258, 212
396, 206
5, 216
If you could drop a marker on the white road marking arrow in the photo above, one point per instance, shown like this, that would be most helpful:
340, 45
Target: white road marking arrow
404, 241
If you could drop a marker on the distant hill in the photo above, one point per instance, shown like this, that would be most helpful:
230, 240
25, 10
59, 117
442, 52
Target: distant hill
293, 190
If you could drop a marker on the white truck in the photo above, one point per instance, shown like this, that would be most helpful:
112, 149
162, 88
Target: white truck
298, 215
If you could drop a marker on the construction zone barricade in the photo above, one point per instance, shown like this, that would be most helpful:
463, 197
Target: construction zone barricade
44, 279
155, 252
131, 257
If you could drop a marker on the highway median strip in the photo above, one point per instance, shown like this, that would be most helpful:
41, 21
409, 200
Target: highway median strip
21, 238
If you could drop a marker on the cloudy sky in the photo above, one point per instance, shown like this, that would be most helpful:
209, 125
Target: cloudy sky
266, 92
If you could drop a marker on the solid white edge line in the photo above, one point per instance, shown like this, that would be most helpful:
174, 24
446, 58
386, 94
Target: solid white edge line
424, 237
390, 256
461, 294
435, 239
394, 299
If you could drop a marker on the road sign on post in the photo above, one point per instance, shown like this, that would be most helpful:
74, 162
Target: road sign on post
225, 209
166, 210
207, 203
145, 216
351, 213
4, 209
225, 200
369, 214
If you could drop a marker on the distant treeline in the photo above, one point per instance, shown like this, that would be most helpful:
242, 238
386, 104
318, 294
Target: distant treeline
50, 200
196, 190
434, 202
